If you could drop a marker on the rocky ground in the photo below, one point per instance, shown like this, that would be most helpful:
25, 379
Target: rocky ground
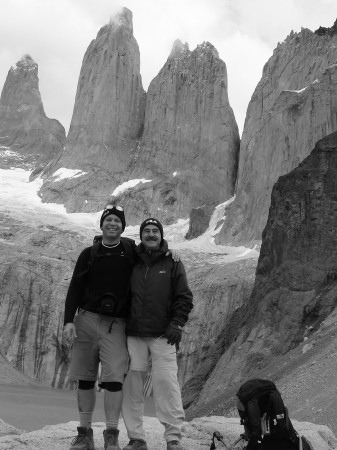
196, 435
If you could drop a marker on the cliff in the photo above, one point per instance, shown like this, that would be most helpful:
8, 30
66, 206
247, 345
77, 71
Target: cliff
106, 124
293, 302
154, 153
35, 267
293, 106
189, 148
27, 136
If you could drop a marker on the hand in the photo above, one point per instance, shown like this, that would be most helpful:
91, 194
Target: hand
173, 333
174, 253
69, 333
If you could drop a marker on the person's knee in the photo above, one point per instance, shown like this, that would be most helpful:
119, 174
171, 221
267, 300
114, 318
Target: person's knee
86, 385
111, 386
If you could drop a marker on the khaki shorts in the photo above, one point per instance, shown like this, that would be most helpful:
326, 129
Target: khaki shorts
94, 344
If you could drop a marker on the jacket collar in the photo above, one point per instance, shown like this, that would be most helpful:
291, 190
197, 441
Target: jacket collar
153, 255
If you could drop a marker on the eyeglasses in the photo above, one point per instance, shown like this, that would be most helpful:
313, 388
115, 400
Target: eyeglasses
119, 208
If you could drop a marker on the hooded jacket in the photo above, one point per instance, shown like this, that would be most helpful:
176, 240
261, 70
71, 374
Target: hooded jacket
159, 293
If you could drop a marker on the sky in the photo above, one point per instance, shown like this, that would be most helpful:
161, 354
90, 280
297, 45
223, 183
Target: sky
56, 34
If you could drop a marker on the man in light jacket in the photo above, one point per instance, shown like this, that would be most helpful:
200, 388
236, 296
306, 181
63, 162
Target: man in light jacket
160, 304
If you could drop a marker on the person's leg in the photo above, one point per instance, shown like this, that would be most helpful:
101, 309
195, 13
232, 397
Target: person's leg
166, 389
133, 396
114, 361
112, 404
83, 367
86, 400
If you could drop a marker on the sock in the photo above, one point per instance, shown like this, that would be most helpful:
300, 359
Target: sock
112, 424
86, 419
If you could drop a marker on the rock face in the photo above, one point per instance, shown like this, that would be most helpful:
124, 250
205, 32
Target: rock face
190, 143
180, 149
107, 120
295, 287
293, 106
199, 221
25, 131
35, 266
219, 293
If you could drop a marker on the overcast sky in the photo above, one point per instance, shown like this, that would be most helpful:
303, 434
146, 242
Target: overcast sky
56, 33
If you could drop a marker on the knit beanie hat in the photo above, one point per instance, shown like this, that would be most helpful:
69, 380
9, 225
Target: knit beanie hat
117, 211
151, 221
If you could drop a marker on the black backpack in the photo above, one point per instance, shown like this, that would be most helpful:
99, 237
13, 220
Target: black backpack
255, 387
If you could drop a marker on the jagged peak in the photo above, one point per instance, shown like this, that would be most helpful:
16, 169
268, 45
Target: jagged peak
207, 47
26, 63
123, 18
177, 48
323, 31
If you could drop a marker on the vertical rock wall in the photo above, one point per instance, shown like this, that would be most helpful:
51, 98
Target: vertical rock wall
190, 142
107, 120
293, 106
24, 127
296, 278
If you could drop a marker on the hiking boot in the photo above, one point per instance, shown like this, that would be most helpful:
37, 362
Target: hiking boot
111, 439
84, 440
136, 444
174, 445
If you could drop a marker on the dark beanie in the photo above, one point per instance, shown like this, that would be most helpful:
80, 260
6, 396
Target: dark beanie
151, 221
117, 211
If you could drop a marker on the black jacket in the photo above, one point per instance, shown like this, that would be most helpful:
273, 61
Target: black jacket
159, 294
109, 274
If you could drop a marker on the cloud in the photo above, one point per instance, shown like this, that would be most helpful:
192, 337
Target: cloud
56, 33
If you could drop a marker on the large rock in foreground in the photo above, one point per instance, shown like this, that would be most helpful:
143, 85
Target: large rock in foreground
295, 289
196, 435
27, 135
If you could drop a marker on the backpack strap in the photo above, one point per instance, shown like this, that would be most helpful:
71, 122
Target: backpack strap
129, 246
127, 243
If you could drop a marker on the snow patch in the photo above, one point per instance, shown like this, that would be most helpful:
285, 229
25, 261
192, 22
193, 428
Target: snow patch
297, 91
19, 199
128, 185
63, 173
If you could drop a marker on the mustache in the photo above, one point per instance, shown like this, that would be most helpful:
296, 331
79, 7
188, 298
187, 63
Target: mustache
151, 238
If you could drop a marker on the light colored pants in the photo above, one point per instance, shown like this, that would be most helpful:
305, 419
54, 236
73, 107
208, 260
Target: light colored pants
166, 390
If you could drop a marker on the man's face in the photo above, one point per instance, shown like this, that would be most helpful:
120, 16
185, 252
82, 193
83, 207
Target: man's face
112, 227
151, 237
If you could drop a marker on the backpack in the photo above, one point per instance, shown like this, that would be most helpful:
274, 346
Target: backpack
254, 387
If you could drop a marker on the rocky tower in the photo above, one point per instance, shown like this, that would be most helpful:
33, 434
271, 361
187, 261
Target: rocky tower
293, 106
107, 120
189, 149
24, 127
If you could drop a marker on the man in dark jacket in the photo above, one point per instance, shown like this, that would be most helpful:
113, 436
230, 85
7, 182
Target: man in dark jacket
160, 304
265, 418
